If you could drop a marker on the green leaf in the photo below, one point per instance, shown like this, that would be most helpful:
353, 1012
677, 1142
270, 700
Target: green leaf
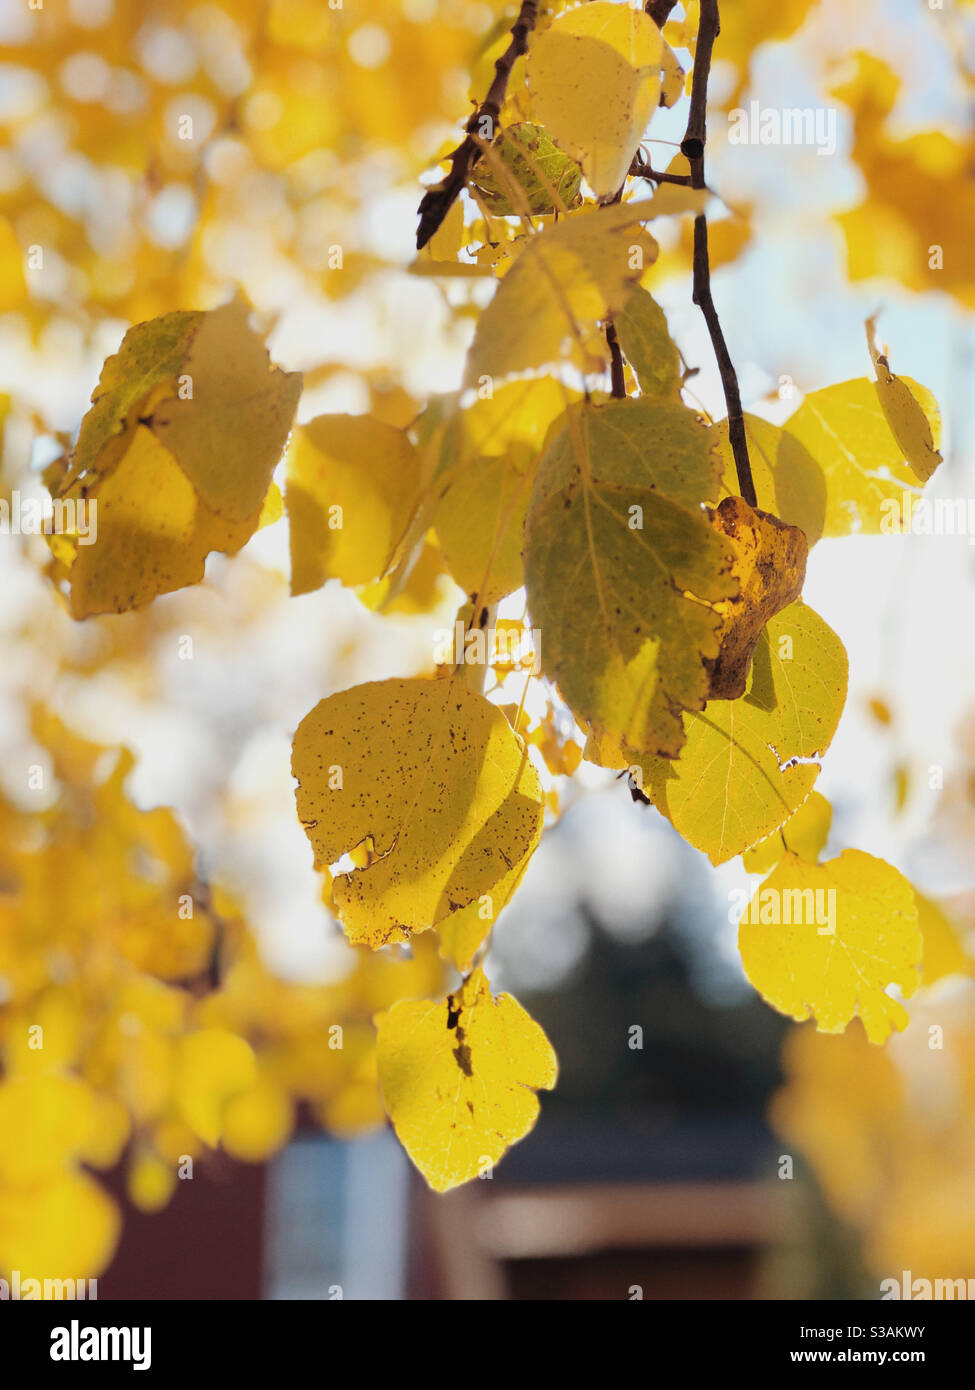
535, 165
623, 570
648, 346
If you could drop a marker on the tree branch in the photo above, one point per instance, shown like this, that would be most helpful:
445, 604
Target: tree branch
438, 201
692, 147
616, 362
659, 11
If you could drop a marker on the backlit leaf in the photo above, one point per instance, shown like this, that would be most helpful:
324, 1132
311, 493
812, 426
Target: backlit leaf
459, 1077
430, 774
623, 571
829, 940
747, 764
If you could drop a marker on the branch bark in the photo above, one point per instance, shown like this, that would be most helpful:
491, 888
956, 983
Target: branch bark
438, 201
659, 10
692, 147
616, 362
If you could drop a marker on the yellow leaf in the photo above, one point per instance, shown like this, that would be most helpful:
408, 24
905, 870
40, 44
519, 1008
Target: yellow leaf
257, 1122
65, 1228
804, 834
770, 565
944, 953
746, 765
459, 1077
842, 431
623, 571
567, 280
150, 1180
480, 521
594, 76
788, 482
212, 1066
910, 410
432, 776
829, 940
353, 486
230, 433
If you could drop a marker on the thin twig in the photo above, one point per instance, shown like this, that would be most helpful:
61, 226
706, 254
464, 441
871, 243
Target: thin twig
640, 170
616, 362
438, 201
692, 147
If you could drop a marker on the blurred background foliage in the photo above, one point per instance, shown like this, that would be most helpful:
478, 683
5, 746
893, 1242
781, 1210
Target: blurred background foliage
181, 963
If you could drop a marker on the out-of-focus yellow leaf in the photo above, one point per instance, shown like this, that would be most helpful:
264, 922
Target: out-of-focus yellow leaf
459, 1077
212, 1066
944, 953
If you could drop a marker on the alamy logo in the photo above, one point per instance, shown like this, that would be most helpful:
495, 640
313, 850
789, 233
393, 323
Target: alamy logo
793, 125
786, 907
30, 516
920, 1290
928, 516
77, 1343
26, 1289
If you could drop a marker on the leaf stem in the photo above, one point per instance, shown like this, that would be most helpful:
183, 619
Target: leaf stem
438, 201
692, 147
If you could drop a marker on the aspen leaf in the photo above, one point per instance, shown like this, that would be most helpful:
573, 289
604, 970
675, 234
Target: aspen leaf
770, 564
230, 434
788, 482
480, 521
226, 431
353, 486
910, 410
595, 78
647, 345
804, 834
153, 533
157, 504
459, 1076
843, 968
438, 784
943, 953
623, 571
567, 280
532, 165
747, 764
844, 431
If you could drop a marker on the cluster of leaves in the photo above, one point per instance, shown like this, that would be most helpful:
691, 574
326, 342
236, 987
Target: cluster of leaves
140, 1026
675, 644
